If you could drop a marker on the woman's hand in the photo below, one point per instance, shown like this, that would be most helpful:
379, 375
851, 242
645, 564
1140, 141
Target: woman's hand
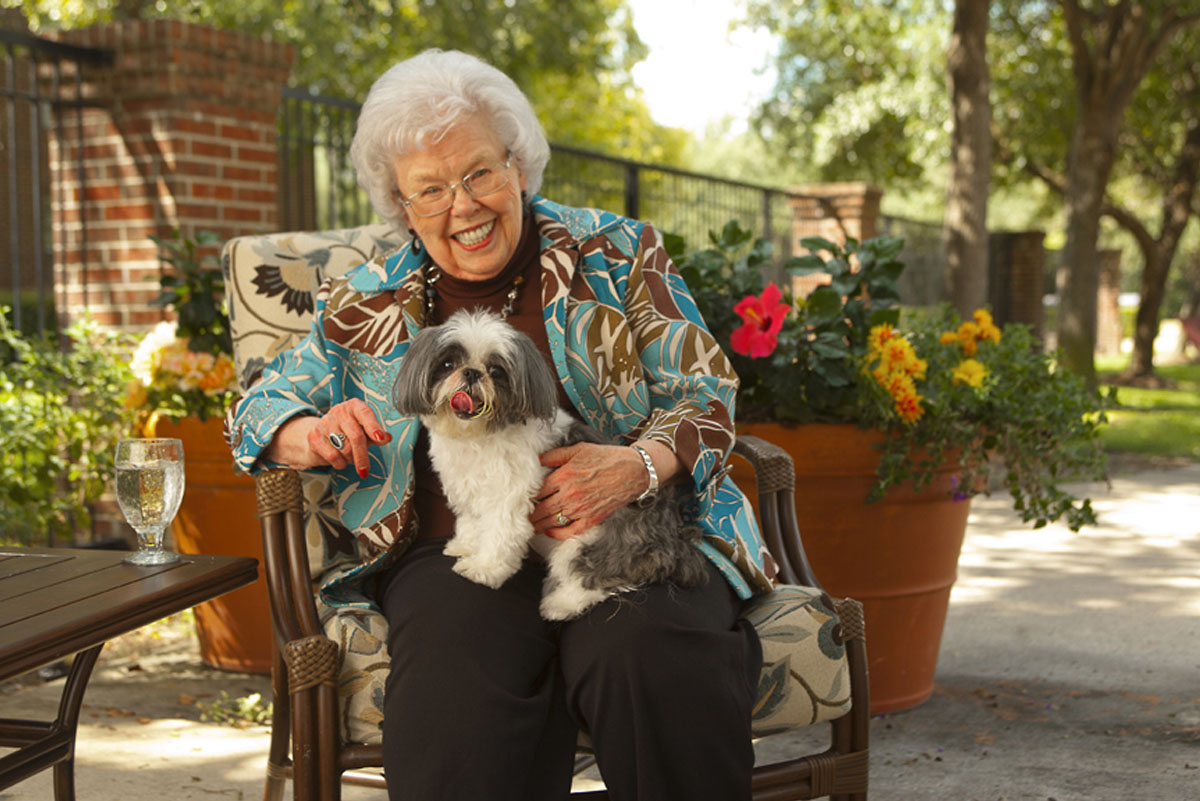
304, 442
588, 482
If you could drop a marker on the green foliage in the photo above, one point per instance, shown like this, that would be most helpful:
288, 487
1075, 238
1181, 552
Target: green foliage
196, 291
61, 415
937, 386
572, 59
238, 712
860, 93
811, 375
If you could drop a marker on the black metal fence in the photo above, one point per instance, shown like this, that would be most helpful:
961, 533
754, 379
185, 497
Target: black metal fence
318, 190
40, 94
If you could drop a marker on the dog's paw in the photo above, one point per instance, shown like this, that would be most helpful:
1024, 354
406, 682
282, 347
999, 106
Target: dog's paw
455, 547
568, 603
483, 571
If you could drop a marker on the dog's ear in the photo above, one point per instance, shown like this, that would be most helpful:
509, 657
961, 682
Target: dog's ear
412, 394
533, 381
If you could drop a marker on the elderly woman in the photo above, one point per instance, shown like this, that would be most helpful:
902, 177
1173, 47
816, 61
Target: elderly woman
485, 699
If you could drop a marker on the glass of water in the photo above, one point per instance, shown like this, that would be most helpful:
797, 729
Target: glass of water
149, 489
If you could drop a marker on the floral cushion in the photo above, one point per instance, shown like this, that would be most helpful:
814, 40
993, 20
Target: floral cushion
272, 282
805, 678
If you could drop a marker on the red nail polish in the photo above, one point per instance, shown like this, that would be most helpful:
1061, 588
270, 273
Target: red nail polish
379, 436
362, 473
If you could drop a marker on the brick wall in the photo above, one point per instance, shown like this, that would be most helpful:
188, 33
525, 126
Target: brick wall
835, 211
1017, 264
185, 140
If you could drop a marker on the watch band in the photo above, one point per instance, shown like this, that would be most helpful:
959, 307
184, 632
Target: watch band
651, 494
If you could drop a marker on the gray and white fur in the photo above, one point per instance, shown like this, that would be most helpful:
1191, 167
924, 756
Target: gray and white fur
489, 401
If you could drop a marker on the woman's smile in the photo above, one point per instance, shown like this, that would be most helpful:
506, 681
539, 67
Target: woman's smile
475, 238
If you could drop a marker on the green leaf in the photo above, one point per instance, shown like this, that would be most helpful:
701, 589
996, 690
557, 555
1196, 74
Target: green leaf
817, 243
824, 304
805, 265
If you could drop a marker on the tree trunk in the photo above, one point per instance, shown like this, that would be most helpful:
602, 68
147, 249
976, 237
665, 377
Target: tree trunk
1177, 210
1089, 165
1145, 331
965, 235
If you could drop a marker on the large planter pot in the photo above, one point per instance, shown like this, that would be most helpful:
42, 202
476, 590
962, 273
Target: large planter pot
218, 516
898, 556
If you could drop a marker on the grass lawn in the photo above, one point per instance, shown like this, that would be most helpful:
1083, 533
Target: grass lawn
1162, 423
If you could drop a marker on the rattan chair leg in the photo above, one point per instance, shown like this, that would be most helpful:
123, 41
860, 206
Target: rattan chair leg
278, 762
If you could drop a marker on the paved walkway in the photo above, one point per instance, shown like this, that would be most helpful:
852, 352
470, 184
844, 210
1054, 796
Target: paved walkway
1070, 670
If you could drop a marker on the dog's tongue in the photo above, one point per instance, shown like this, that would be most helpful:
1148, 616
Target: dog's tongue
461, 402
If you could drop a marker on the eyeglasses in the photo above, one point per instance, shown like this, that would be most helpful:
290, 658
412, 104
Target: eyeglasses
433, 200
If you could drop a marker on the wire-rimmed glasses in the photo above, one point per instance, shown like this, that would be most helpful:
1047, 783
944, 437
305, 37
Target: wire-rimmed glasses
433, 200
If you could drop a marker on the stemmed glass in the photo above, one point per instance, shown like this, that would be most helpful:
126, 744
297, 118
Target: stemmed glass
149, 489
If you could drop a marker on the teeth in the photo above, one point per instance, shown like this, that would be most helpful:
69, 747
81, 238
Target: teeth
475, 235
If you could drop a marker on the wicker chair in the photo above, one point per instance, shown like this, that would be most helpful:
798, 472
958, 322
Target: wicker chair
318, 744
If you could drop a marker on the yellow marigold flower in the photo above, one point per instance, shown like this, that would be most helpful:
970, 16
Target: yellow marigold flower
986, 326
967, 337
969, 372
916, 368
897, 353
878, 335
908, 407
948, 337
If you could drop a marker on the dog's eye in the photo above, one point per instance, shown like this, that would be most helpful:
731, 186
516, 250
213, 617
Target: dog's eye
448, 365
495, 371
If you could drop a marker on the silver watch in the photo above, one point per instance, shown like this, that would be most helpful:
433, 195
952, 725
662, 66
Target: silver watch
651, 494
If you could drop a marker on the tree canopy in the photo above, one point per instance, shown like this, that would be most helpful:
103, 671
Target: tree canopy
572, 59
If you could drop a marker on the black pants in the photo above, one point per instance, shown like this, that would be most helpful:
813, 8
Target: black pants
484, 698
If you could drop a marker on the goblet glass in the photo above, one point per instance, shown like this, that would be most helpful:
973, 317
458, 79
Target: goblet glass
149, 489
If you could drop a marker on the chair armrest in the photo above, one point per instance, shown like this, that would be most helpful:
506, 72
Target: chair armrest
285, 554
776, 479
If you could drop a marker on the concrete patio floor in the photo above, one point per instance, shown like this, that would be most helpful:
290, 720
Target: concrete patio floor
1069, 670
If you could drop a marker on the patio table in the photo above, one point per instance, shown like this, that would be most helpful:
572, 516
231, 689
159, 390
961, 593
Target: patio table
55, 602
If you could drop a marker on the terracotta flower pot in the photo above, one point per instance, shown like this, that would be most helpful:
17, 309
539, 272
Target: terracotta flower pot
898, 556
218, 516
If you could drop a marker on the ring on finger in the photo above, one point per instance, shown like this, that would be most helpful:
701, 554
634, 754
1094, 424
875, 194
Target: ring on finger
562, 520
337, 440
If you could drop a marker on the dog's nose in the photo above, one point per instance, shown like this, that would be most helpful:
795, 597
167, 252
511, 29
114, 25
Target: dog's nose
471, 375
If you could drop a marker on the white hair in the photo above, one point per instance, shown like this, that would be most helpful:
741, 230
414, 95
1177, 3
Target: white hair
417, 101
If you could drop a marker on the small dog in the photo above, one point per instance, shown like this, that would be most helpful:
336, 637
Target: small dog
489, 401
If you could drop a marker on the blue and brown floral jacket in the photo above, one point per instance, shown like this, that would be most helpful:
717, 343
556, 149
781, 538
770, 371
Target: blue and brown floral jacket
630, 349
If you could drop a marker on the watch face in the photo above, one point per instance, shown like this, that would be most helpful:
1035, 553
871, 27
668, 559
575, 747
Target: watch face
646, 501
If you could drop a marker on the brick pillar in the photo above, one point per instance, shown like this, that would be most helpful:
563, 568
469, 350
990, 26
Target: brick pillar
1016, 277
184, 139
1108, 310
835, 211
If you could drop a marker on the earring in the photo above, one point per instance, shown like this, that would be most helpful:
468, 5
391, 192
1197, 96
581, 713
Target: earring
416, 240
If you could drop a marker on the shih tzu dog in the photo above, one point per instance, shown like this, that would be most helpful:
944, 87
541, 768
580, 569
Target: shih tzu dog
489, 401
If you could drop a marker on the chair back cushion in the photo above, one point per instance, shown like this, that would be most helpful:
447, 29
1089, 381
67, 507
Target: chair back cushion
271, 283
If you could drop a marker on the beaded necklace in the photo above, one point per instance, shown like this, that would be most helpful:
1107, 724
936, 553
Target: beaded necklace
434, 274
